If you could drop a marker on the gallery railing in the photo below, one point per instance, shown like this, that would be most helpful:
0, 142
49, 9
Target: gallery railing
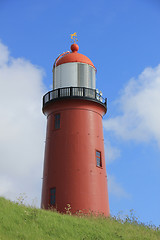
74, 92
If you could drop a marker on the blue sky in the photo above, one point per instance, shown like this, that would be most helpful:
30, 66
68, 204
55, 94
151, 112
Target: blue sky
122, 40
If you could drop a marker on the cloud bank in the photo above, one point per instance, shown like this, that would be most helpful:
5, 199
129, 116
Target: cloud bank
139, 118
22, 126
111, 153
139, 104
116, 189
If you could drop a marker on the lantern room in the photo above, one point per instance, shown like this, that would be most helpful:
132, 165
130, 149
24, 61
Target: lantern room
73, 69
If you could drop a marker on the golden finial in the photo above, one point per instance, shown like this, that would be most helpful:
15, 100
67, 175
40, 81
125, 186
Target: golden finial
73, 37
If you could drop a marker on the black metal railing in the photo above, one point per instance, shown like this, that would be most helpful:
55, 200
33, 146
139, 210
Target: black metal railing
74, 92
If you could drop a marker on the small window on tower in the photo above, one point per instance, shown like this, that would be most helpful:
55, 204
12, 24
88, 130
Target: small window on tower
98, 159
57, 121
53, 196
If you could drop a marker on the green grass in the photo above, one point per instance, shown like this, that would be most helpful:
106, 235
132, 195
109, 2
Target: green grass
18, 222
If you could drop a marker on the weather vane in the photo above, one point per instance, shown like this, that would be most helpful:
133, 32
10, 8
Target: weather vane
73, 37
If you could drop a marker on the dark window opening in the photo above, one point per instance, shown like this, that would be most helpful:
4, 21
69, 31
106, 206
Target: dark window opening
98, 159
53, 196
57, 121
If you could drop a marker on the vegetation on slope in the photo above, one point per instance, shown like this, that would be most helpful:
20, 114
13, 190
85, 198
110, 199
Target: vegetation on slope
18, 222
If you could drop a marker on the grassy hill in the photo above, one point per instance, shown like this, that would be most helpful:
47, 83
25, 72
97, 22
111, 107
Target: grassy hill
18, 222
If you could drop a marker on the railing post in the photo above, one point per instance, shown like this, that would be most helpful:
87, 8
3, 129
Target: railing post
58, 92
84, 92
71, 91
106, 102
43, 100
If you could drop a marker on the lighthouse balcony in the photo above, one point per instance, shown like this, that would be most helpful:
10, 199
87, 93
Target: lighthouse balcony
75, 92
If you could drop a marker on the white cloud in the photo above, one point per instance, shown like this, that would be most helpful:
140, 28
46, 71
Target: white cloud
111, 153
4, 54
22, 126
5, 186
140, 107
116, 189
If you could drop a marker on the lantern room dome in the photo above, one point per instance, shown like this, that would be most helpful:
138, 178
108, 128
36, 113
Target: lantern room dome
74, 56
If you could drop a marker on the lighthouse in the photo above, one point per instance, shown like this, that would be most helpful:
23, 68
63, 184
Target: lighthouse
74, 162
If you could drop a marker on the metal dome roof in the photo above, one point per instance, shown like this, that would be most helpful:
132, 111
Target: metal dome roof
73, 56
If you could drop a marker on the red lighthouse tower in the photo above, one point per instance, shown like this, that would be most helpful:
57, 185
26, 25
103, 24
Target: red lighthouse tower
74, 165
